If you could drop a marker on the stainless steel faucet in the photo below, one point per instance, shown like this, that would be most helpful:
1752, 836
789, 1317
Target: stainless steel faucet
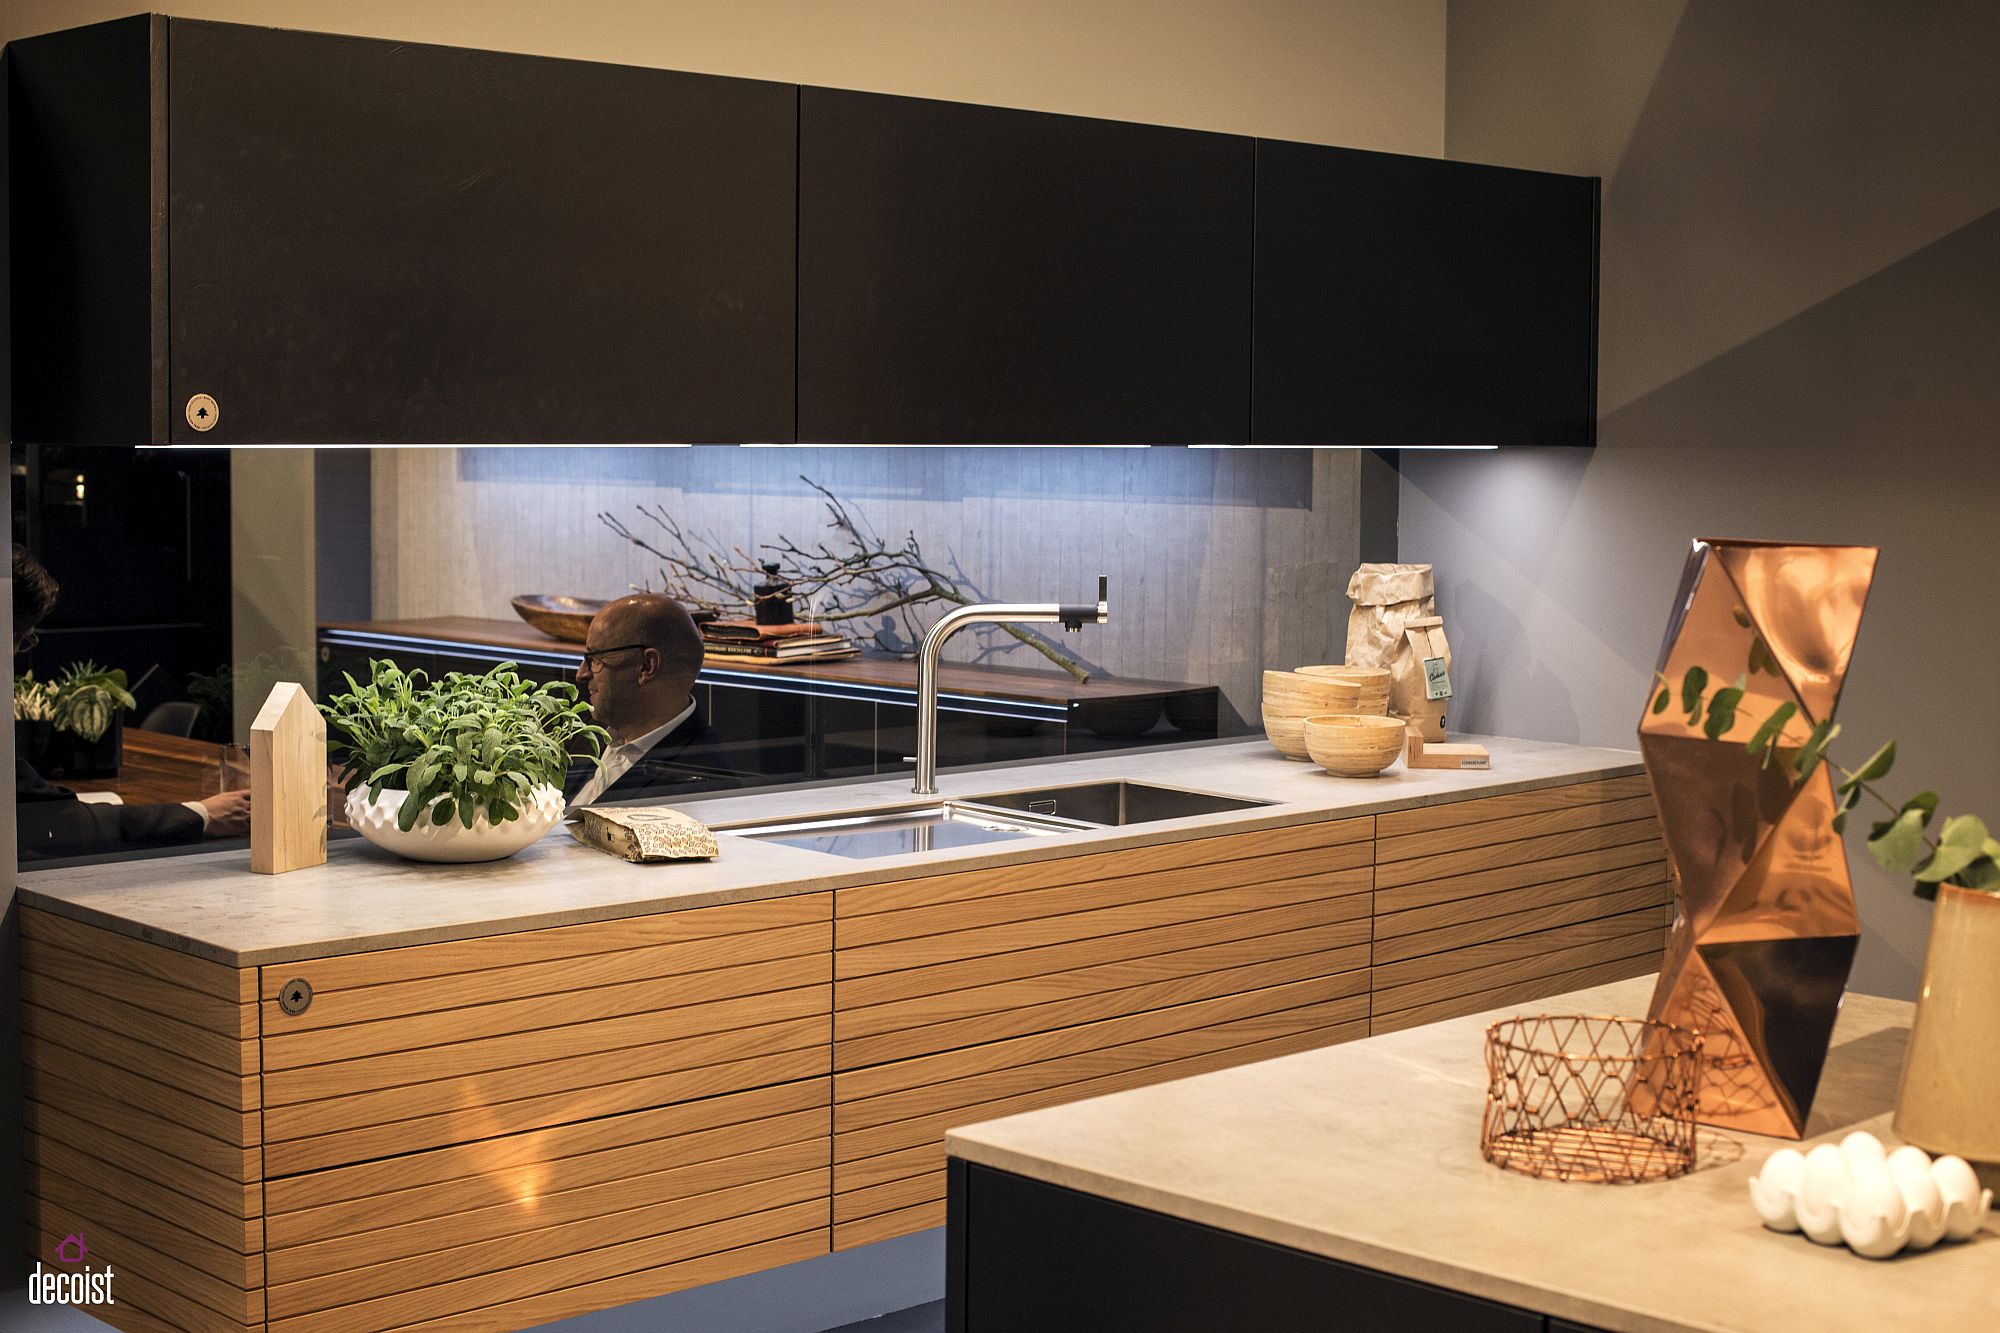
1073, 617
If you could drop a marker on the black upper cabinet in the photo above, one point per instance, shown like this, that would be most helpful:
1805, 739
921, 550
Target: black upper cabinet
377, 242
973, 275
1405, 301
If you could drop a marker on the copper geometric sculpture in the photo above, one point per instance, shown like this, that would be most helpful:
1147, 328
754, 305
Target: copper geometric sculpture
1764, 922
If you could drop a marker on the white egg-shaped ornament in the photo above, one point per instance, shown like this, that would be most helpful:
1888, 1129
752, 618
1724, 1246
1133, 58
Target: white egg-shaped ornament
1774, 1190
1910, 1168
1874, 1220
1825, 1184
1965, 1202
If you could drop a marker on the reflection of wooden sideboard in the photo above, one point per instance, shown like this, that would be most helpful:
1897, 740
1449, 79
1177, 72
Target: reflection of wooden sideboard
832, 719
157, 767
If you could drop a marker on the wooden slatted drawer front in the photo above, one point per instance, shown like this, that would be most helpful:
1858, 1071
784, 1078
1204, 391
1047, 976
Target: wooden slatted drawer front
1484, 809
387, 1061
487, 1224
1636, 938
140, 1074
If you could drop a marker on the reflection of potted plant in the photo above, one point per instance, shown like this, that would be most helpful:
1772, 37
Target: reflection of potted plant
34, 718
468, 768
86, 709
1951, 1080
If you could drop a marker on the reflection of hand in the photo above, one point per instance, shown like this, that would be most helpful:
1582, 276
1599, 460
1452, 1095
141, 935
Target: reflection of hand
228, 815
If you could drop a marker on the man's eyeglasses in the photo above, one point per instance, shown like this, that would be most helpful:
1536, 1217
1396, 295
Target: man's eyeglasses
593, 658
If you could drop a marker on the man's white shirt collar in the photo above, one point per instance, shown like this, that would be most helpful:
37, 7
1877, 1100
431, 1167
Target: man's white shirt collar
618, 760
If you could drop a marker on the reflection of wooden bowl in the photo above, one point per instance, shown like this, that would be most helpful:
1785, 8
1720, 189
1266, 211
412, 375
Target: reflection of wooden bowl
1287, 694
559, 617
1351, 745
1131, 716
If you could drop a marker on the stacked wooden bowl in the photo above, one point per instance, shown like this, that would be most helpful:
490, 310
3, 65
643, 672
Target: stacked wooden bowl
1354, 745
1290, 697
1373, 683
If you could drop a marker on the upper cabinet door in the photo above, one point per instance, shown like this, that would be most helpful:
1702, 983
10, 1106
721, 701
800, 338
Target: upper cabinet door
1405, 301
972, 275
375, 242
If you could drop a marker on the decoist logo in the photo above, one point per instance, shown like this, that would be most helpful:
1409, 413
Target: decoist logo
55, 1287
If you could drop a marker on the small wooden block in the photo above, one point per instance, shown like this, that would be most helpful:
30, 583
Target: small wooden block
287, 783
1423, 754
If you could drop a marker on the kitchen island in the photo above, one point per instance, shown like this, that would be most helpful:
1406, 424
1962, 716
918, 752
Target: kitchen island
1348, 1183
374, 1093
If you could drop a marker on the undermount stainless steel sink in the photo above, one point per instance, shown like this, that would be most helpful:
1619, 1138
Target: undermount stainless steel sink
894, 830
1040, 812
1114, 803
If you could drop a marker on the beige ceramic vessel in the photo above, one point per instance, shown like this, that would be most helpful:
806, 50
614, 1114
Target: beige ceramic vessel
1353, 745
1949, 1101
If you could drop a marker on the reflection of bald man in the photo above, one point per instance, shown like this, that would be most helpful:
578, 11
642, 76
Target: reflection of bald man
640, 660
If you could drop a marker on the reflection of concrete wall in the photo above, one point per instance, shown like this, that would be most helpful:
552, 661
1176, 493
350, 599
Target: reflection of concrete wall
1801, 316
1219, 561
272, 625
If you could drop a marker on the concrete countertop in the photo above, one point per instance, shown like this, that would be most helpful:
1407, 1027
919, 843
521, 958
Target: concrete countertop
1369, 1153
213, 906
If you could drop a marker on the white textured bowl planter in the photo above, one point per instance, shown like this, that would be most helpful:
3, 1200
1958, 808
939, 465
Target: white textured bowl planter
376, 821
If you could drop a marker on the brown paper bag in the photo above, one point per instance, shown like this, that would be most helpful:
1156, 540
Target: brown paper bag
1389, 602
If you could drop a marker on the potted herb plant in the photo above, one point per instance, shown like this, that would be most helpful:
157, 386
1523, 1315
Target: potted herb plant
34, 718
72, 726
1951, 1078
467, 768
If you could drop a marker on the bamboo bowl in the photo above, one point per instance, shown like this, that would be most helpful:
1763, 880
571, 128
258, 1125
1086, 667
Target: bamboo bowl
1354, 745
1290, 698
1373, 683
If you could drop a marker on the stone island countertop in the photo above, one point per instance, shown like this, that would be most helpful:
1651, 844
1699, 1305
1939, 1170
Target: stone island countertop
1369, 1153
213, 906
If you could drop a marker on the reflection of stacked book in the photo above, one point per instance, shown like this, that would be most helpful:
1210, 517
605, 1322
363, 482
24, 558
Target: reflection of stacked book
748, 641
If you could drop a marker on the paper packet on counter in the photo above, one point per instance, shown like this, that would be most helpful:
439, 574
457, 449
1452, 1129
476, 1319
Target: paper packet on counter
644, 833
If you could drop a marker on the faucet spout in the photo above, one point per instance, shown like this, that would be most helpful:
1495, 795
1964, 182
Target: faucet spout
1072, 616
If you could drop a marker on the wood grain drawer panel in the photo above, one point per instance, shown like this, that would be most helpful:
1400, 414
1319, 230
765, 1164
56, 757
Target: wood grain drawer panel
1394, 925
1520, 992
867, 1172
1498, 879
1004, 906
131, 989
905, 1134
178, 1040
1514, 829
60, 1098
652, 1041
1532, 851
233, 1196
1019, 935
887, 1226
561, 1271
534, 1177
540, 1211
916, 1106
235, 985
476, 1121
1526, 947
859, 995
658, 1280
977, 885
143, 1299
669, 1002
1453, 814
1487, 929
488, 952
58, 1194
461, 990
1647, 944
925, 1187
244, 1129
486, 1165
236, 1092
1014, 1022
921, 1075
245, 1235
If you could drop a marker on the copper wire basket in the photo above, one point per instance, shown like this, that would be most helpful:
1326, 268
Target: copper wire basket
1591, 1098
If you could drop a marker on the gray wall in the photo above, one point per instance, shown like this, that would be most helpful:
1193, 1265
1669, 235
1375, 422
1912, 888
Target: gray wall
1800, 329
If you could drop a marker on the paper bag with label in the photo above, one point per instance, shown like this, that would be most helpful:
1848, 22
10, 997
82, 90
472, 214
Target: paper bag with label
1389, 602
644, 833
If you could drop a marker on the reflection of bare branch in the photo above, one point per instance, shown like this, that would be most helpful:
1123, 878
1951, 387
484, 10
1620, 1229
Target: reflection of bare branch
855, 575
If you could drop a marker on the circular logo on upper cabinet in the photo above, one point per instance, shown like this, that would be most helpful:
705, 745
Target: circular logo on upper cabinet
202, 413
